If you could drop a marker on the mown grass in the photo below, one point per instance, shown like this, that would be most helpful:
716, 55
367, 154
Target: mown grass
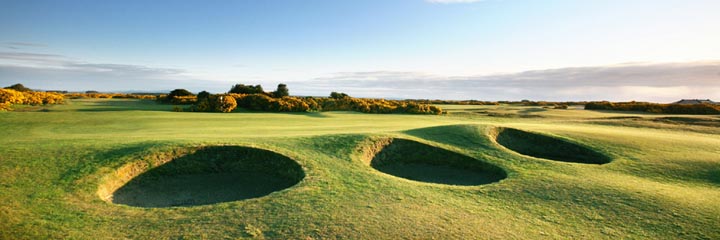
663, 182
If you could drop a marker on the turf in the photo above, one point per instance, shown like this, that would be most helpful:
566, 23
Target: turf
663, 181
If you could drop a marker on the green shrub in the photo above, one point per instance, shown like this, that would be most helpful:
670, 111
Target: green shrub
282, 91
246, 89
18, 87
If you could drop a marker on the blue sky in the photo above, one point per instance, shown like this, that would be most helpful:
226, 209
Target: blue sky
374, 48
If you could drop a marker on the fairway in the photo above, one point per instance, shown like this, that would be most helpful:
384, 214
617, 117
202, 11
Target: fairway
118, 168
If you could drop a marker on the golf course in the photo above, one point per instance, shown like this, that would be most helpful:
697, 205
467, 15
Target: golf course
136, 169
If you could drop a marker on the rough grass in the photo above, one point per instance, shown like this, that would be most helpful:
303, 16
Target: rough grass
661, 184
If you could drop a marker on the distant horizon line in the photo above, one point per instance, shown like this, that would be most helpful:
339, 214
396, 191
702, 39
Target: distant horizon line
139, 92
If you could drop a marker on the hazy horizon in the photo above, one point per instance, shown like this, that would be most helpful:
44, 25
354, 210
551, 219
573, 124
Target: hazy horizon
659, 51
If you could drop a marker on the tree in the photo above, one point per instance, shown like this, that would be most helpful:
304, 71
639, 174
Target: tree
282, 91
179, 93
203, 95
19, 87
180, 96
337, 95
246, 89
204, 102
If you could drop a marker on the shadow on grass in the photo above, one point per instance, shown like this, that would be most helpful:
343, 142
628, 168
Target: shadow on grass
211, 175
714, 176
546, 147
311, 114
420, 162
532, 110
126, 105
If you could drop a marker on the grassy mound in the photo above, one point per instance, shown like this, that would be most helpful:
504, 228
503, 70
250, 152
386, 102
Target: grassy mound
698, 121
420, 162
541, 146
209, 175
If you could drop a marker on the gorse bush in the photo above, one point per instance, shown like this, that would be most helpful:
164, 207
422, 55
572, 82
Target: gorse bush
215, 103
180, 96
253, 98
40, 98
262, 102
265, 103
5, 107
8, 97
367, 105
655, 107
95, 94
182, 100
225, 104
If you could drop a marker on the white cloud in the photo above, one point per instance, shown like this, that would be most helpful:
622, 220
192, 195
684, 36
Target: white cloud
657, 82
58, 72
54, 61
662, 82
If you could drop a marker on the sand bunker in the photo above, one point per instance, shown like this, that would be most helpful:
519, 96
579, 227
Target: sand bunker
209, 175
420, 162
542, 146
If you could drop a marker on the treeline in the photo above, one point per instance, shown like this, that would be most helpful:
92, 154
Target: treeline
93, 94
703, 108
262, 102
255, 98
19, 94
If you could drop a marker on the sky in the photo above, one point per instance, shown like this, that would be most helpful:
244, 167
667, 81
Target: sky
557, 50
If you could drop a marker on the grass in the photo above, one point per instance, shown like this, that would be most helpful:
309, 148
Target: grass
663, 181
